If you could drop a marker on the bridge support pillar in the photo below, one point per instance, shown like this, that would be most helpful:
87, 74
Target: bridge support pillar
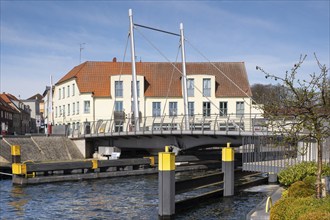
228, 163
166, 183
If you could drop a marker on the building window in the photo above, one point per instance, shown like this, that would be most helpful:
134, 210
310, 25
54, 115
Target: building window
119, 106
73, 90
223, 108
191, 108
59, 94
63, 90
55, 112
206, 87
173, 108
73, 108
68, 109
69, 91
138, 88
206, 109
190, 87
86, 107
239, 108
63, 109
77, 108
60, 112
156, 109
118, 88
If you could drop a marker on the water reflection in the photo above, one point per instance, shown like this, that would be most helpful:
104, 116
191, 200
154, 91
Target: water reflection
18, 200
114, 198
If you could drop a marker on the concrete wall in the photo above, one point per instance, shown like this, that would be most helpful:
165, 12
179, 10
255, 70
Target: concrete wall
41, 148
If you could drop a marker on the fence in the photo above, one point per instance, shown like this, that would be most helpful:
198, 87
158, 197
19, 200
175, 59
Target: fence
170, 124
265, 154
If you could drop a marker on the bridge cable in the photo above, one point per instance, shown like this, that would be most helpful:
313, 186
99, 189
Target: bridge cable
167, 59
120, 73
169, 87
230, 80
207, 98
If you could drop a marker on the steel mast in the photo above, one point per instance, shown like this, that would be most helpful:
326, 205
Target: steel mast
134, 80
184, 79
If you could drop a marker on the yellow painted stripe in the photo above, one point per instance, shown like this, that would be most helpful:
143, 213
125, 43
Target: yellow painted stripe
18, 168
166, 161
15, 150
152, 160
227, 154
94, 164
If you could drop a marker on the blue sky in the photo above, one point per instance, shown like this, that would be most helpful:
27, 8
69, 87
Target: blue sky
42, 38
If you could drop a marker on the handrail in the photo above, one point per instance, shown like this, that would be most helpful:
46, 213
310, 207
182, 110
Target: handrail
269, 204
174, 124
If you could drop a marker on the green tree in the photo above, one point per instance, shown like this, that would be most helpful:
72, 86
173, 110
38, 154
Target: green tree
303, 114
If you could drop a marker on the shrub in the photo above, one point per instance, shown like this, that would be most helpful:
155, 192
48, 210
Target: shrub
293, 208
299, 172
316, 215
285, 194
310, 181
300, 189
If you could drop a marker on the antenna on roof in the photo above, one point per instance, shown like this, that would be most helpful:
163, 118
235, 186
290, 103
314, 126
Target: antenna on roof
81, 48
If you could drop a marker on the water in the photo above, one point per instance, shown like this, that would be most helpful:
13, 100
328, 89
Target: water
134, 197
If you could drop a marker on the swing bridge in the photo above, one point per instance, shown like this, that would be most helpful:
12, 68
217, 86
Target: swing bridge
248, 133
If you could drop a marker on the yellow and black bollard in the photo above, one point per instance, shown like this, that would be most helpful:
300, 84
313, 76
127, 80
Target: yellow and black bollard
228, 170
166, 183
17, 167
15, 154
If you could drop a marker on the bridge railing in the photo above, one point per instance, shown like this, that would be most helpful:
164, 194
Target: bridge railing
170, 124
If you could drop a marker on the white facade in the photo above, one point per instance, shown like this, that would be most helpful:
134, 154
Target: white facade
74, 108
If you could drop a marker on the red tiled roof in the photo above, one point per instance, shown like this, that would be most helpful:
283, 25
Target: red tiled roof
4, 105
6, 98
95, 77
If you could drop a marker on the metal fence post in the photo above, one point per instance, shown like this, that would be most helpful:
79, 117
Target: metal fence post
166, 183
228, 169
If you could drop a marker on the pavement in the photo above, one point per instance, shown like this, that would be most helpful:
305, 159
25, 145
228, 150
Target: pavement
259, 212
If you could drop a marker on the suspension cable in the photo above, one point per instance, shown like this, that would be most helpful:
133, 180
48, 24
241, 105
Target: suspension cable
120, 73
169, 87
167, 59
230, 80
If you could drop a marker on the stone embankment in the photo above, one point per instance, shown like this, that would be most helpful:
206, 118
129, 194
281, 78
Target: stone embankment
40, 148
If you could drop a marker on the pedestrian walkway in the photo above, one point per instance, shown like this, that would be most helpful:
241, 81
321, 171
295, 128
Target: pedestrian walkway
259, 212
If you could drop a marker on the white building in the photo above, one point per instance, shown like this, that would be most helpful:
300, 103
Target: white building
93, 91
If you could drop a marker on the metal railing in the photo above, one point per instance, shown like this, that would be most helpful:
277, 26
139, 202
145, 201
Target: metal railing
169, 124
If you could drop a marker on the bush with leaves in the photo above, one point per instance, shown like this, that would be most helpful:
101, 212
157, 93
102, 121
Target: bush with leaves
300, 189
315, 215
300, 171
291, 208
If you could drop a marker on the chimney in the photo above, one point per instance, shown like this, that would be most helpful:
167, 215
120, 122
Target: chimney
114, 59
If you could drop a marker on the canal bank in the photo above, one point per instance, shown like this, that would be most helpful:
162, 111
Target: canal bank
261, 211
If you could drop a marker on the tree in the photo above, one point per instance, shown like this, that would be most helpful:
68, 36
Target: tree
305, 110
267, 94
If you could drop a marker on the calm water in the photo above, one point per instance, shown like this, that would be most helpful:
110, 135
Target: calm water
133, 197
